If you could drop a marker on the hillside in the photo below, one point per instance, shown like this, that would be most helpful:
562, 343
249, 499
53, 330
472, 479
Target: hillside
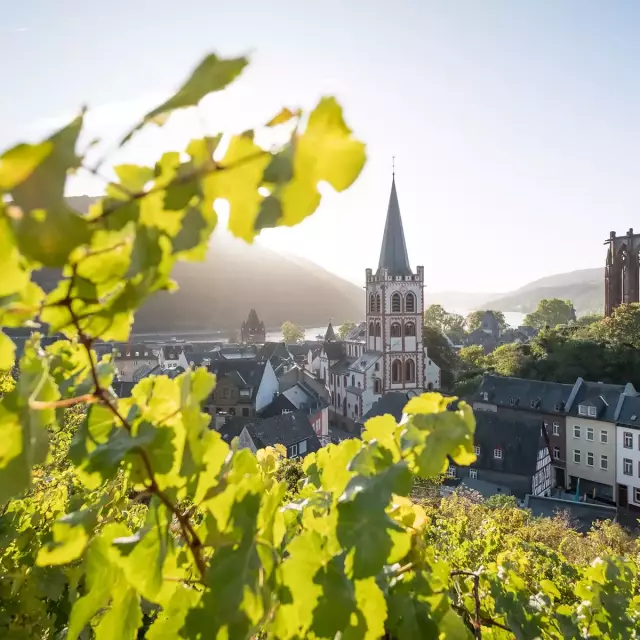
585, 288
218, 293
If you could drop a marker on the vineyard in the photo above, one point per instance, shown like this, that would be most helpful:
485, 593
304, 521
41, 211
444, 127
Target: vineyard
131, 518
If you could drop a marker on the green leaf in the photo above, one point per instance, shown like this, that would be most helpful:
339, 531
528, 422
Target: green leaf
7, 352
326, 151
365, 527
17, 164
283, 116
212, 74
122, 619
133, 178
70, 538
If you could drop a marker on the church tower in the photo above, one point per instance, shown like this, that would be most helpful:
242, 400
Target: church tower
395, 308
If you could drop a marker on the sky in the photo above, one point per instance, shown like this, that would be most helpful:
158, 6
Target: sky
515, 124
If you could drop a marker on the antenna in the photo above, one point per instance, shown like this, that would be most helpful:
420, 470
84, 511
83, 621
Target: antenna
393, 166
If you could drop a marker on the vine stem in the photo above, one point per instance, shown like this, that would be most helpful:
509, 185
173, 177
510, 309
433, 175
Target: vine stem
101, 394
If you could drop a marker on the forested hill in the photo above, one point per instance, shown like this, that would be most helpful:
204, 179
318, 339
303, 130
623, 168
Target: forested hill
585, 288
218, 293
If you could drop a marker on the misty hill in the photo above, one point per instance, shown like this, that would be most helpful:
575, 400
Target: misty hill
585, 288
219, 292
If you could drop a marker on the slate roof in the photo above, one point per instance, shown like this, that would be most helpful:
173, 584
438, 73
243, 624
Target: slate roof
604, 397
518, 437
133, 351
246, 374
355, 390
358, 333
285, 429
391, 403
253, 322
334, 350
363, 362
273, 350
280, 403
584, 513
298, 350
233, 426
330, 335
393, 253
199, 358
343, 365
630, 412
123, 389
547, 397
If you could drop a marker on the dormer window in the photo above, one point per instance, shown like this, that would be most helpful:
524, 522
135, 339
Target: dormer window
582, 410
497, 454
485, 395
592, 412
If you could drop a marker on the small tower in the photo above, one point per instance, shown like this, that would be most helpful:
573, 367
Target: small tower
395, 307
330, 335
252, 330
621, 275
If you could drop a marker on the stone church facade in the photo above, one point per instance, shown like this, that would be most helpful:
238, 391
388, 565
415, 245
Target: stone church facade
386, 352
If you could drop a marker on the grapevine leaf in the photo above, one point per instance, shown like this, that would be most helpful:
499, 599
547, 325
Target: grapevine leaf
326, 151
283, 116
212, 74
70, 538
363, 524
122, 619
17, 164
171, 619
7, 352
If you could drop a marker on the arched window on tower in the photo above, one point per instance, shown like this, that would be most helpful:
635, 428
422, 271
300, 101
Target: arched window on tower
410, 303
372, 303
353, 380
396, 371
377, 385
378, 330
410, 371
396, 330
409, 329
396, 303
378, 303
372, 330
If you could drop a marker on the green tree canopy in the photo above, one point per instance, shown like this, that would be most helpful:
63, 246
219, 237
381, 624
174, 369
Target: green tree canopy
622, 327
508, 359
292, 332
441, 351
452, 324
345, 329
550, 313
435, 316
474, 319
472, 357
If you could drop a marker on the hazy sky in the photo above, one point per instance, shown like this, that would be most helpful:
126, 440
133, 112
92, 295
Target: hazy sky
515, 124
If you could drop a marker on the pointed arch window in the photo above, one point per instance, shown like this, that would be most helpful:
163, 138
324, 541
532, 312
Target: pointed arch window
410, 303
410, 371
378, 303
378, 330
372, 330
396, 330
410, 329
372, 303
396, 303
377, 385
396, 371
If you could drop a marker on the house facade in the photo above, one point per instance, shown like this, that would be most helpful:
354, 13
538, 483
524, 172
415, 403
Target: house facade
628, 453
130, 358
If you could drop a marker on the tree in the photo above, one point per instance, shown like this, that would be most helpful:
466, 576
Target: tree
622, 327
472, 357
292, 333
435, 317
474, 319
508, 359
550, 313
454, 326
130, 517
345, 329
587, 319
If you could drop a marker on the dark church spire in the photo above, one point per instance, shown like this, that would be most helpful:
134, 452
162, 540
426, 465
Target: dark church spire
393, 255
330, 336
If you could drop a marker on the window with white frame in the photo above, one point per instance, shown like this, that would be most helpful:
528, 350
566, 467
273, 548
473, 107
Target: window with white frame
592, 412
497, 454
294, 450
302, 447
576, 431
627, 467
636, 495
604, 436
556, 453
476, 450
473, 474
485, 394
556, 429
451, 472
576, 456
604, 462
590, 433
582, 410
627, 440
589, 459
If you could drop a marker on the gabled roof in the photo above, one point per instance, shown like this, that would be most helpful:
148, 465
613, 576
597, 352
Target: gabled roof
535, 395
253, 322
245, 374
393, 254
366, 360
358, 333
604, 397
343, 365
391, 403
519, 437
279, 404
630, 412
285, 429
123, 389
271, 350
